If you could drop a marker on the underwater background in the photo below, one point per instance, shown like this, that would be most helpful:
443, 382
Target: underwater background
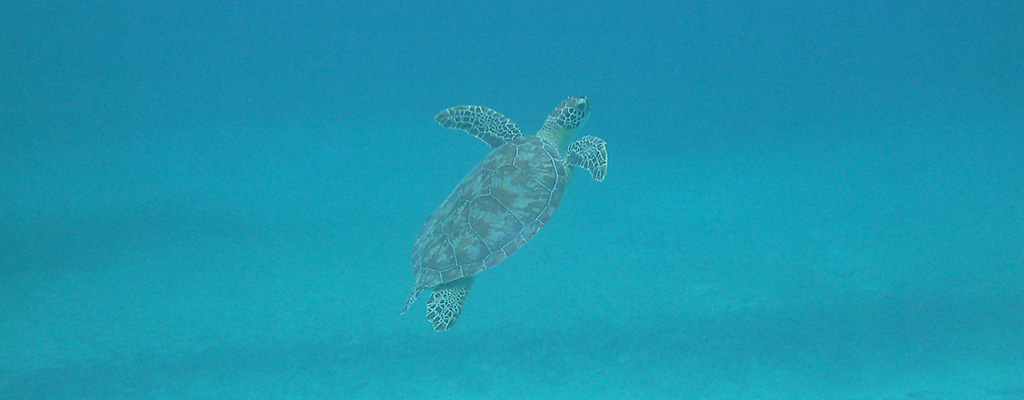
804, 199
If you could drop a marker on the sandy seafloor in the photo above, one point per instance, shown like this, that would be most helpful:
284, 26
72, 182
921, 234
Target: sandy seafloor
796, 207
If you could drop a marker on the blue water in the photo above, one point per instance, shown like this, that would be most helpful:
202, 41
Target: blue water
804, 200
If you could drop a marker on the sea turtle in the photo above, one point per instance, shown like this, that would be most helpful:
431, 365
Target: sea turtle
501, 203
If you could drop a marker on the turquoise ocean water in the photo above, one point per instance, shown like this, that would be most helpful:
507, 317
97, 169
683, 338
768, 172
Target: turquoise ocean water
804, 200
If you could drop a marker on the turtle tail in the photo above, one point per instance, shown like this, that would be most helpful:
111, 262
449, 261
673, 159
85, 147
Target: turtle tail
412, 298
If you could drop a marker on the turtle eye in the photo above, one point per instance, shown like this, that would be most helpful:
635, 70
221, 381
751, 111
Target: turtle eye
582, 104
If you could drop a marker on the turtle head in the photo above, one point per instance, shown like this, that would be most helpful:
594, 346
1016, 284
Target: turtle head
571, 114
565, 120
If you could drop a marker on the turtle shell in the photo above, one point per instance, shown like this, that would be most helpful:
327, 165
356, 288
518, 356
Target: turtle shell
498, 207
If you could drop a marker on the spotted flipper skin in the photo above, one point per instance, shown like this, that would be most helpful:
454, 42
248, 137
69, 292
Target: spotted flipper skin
482, 122
445, 303
589, 153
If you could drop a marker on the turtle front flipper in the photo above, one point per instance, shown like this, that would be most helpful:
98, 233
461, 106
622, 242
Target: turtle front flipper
589, 153
445, 303
482, 122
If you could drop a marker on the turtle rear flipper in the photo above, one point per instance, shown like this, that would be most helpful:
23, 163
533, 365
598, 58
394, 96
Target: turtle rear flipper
488, 125
590, 154
445, 303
